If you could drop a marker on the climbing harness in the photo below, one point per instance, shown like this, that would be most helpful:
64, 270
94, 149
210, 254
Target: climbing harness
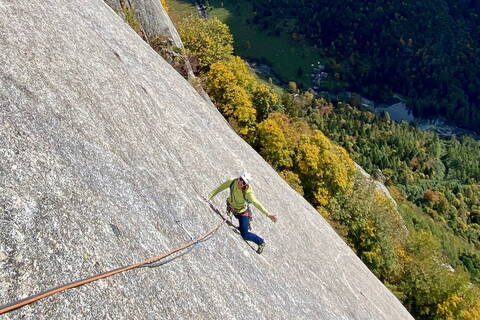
246, 213
194, 241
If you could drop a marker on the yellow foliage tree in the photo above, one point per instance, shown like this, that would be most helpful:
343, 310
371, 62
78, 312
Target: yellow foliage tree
164, 4
265, 101
228, 83
323, 168
461, 305
326, 168
471, 306
277, 140
293, 130
293, 180
300, 128
273, 145
209, 40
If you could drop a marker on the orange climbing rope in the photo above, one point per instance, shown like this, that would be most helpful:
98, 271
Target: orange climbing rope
23, 302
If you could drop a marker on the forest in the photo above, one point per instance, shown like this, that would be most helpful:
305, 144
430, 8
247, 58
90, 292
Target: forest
413, 246
427, 51
438, 175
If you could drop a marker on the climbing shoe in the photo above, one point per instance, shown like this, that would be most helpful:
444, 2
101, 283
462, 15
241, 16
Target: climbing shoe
260, 248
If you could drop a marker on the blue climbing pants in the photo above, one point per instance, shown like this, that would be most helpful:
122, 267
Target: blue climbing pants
243, 227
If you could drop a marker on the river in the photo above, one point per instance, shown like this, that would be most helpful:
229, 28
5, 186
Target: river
399, 112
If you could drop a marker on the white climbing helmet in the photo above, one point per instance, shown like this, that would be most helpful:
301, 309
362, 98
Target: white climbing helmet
246, 177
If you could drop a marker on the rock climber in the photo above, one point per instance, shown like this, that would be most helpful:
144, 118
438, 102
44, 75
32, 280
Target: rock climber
238, 203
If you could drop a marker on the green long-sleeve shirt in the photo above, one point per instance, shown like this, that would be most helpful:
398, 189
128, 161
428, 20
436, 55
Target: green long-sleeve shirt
236, 199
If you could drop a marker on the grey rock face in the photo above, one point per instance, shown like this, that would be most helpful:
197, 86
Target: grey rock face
114, 4
153, 18
103, 146
156, 22
378, 185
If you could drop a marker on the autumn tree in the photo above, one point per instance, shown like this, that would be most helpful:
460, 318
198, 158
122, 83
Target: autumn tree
293, 180
325, 167
292, 87
239, 95
227, 85
432, 289
274, 142
164, 4
209, 40
266, 101
373, 227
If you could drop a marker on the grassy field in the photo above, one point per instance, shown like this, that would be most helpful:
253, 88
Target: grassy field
178, 9
290, 60
284, 55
